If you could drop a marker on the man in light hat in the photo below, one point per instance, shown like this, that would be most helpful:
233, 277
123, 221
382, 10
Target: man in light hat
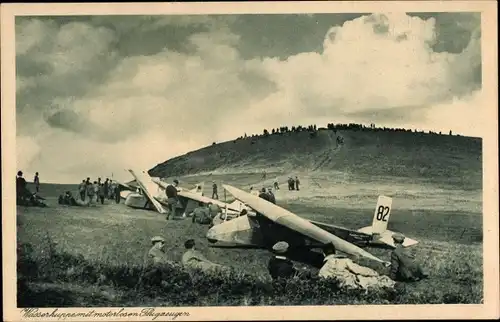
157, 251
280, 266
403, 265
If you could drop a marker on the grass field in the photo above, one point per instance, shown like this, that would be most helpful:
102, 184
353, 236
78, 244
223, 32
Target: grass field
85, 256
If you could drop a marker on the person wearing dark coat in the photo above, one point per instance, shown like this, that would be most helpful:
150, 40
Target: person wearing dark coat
297, 183
22, 193
264, 195
106, 188
117, 193
280, 266
172, 199
272, 198
215, 194
403, 265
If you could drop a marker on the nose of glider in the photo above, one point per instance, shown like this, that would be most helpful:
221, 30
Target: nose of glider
212, 235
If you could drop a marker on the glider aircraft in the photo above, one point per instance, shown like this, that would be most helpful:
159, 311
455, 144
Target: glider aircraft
272, 223
152, 196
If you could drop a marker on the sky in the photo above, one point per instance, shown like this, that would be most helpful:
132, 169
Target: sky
96, 95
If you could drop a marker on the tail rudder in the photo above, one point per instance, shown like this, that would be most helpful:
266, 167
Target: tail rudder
381, 215
237, 205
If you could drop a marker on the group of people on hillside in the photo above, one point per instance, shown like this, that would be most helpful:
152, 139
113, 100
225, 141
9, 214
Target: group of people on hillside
402, 268
192, 258
348, 274
23, 195
93, 192
204, 214
267, 195
293, 184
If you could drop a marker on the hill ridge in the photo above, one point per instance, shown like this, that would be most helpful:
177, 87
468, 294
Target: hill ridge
399, 152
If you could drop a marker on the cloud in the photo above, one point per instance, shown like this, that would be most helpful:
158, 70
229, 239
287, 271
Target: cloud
57, 64
100, 111
373, 65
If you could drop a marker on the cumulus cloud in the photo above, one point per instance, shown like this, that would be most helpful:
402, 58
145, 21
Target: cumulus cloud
99, 111
370, 64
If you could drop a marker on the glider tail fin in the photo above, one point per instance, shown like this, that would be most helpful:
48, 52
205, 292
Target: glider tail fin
381, 215
380, 234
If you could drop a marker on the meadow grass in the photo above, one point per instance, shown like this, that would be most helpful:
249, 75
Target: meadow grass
52, 277
95, 257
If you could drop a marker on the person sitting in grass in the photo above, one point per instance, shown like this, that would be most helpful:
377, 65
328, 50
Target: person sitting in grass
350, 274
193, 258
403, 265
214, 210
279, 266
201, 214
157, 251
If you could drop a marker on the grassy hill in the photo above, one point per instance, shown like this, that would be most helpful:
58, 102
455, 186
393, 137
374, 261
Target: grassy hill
365, 152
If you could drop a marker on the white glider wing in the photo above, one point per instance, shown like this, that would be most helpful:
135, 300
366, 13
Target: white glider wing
290, 220
147, 186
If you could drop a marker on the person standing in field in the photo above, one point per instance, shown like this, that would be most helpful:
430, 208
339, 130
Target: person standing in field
111, 190
264, 195
36, 181
88, 186
102, 193
91, 192
215, 195
172, 199
82, 188
97, 188
21, 189
297, 182
272, 198
106, 188
116, 193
